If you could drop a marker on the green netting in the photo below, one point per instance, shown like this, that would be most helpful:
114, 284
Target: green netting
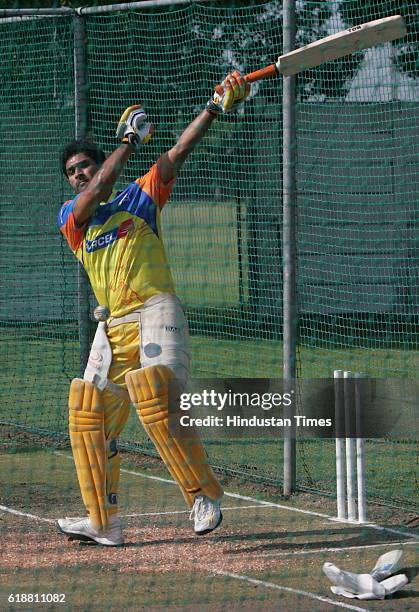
357, 225
38, 285
357, 210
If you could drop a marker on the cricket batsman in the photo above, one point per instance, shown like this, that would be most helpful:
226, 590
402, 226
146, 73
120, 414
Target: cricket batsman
141, 342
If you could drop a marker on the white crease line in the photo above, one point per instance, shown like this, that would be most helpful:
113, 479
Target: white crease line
315, 551
406, 534
138, 514
224, 508
26, 514
158, 478
391, 530
275, 505
273, 585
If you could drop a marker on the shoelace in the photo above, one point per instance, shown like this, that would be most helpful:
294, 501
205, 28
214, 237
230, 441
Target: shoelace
199, 509
82, 521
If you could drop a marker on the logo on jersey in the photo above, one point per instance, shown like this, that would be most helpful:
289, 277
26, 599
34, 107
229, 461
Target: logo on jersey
109, 237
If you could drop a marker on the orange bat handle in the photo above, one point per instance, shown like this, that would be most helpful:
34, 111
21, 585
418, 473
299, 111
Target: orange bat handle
258, 75
263, 73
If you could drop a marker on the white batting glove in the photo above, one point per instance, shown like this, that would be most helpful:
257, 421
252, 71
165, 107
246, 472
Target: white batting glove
228, 96
133, 126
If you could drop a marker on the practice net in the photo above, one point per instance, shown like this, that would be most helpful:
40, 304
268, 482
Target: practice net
357, 209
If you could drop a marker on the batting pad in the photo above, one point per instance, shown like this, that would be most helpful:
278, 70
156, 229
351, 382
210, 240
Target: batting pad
87, 436
186, 460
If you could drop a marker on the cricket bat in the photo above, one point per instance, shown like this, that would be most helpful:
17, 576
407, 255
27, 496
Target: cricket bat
332, 47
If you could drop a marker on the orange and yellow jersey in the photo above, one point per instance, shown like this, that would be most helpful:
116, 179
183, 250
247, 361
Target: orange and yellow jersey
121, 246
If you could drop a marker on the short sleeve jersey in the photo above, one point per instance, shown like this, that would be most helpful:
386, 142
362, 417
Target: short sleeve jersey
121, 246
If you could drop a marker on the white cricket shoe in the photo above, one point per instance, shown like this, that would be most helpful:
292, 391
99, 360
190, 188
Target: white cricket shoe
83, 530
206, 514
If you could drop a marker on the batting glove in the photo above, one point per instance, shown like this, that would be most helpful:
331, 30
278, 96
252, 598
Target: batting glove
228, 96
133, 126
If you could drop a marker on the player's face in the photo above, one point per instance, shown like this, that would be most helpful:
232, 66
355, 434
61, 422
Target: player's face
80, 169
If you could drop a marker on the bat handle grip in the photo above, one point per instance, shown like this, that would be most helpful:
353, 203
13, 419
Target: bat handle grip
263, 73
258, 75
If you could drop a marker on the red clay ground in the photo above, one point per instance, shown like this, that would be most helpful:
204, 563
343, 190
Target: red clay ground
164, 565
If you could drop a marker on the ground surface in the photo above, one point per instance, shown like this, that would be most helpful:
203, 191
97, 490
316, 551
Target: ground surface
267, 554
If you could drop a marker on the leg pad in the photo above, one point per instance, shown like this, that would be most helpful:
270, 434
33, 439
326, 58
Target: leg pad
87, 436
186, 460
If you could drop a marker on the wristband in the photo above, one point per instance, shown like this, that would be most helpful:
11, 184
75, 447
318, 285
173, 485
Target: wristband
212, 108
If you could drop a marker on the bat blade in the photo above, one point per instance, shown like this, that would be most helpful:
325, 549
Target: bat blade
343, 43
332, 47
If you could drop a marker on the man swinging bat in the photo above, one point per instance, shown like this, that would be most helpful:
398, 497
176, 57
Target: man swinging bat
144, 342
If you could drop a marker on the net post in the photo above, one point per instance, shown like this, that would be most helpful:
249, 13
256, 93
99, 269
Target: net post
80, 119
288, 242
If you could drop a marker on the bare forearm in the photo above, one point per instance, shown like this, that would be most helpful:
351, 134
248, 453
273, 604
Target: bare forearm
170, 162
101, 185
234, 92
193, 134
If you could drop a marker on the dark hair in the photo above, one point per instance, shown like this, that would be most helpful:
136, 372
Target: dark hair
82, 146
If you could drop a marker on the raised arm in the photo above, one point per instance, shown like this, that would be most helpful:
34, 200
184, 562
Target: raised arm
235, 92
100, 186
170, 162
133, 129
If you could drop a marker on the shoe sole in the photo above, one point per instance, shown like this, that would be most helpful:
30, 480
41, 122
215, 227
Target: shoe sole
201, 533
81, 537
